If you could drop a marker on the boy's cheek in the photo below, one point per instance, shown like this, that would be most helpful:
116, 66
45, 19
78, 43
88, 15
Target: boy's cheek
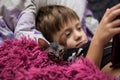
70, 44
63, 40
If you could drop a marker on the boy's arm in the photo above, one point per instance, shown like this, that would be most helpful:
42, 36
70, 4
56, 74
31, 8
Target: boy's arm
26, 23
95, 52
107, 28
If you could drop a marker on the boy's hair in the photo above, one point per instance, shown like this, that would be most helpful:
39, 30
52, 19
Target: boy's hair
52, 18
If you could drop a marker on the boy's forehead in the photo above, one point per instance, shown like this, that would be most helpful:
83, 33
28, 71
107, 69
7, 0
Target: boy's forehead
71, 23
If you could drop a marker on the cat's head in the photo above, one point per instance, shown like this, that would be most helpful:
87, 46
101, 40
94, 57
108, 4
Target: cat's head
55, 50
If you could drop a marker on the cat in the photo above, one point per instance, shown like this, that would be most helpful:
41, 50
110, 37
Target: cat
55, 50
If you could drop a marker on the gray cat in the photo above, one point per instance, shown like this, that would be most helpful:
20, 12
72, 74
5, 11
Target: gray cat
55, 50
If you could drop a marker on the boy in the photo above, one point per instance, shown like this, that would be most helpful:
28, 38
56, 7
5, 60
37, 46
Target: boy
61, 24
59, 18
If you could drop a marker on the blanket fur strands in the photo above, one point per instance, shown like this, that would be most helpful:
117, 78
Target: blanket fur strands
23, 59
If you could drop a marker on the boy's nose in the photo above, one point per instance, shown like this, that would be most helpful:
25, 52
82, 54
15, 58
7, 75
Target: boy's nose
77, 36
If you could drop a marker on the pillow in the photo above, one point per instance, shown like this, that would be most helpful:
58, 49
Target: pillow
77, 5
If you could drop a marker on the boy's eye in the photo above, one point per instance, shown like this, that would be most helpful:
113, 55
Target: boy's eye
67, 33
79, 27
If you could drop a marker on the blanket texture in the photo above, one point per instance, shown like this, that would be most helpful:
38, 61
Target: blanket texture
24, 60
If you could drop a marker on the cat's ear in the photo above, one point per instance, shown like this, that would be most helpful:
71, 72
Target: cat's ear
43, 44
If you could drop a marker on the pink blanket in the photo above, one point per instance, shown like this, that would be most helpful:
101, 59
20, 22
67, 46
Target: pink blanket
24, 60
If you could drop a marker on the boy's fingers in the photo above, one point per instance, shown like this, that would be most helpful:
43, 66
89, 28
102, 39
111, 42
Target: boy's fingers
115, 7
113, 15
115, 23
116, 30
106, 13
110, 10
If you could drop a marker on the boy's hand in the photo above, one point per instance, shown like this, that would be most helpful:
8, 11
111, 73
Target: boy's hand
108, 26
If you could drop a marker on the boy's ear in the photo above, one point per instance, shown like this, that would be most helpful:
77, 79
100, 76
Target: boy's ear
43, 44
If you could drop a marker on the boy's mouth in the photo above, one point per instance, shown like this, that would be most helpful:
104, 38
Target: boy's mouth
81, 43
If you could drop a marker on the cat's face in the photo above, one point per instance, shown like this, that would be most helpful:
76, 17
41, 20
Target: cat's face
55, 50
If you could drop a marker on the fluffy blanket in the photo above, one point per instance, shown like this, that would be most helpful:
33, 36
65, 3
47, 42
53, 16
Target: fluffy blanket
24, 60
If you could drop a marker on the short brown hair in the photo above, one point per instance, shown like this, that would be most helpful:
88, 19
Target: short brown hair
52, 18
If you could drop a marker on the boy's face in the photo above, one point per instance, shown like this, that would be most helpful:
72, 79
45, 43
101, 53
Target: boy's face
72, 34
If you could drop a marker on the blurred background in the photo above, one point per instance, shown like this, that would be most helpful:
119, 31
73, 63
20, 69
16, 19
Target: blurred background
98, 7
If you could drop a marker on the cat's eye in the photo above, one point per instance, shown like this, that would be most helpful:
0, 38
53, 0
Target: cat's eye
61, 50
51, 53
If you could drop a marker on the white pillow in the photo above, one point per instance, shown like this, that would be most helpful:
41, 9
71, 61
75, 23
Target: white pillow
77, 5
